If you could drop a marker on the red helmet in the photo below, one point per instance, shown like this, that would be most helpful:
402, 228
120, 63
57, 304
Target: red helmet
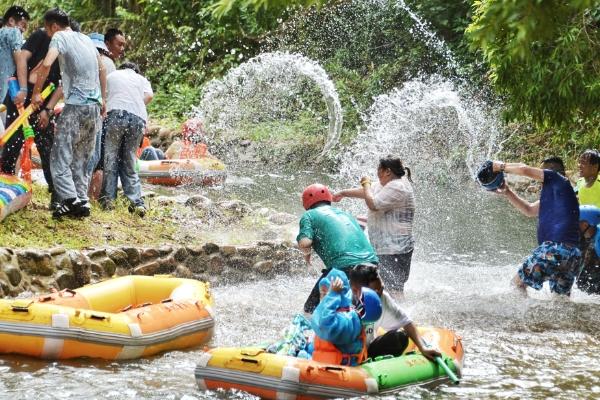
315, 193
193, 128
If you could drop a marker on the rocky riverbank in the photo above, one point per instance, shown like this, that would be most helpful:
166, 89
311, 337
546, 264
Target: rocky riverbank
40, 271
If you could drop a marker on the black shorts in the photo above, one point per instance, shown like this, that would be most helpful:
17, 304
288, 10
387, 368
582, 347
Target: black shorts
394, 270
392, 343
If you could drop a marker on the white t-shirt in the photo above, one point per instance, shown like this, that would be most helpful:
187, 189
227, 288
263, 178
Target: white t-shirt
391, 226
392, 318
126, 91
109, 64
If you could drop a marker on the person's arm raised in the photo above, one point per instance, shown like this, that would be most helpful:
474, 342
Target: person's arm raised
525, 207
519, 169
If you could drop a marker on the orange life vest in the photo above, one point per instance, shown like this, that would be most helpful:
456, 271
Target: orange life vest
326, 352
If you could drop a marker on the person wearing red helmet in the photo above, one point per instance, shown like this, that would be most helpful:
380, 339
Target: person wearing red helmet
335, 236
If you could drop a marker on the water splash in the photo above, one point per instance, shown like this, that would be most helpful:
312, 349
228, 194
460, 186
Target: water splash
431, 125
264, 88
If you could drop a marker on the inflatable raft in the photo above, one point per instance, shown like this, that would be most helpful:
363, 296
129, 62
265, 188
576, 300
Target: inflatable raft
273, 376
205, 171
121, 318
15, 194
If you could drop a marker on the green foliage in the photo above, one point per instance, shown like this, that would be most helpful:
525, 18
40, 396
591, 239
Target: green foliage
224, 7
543, 57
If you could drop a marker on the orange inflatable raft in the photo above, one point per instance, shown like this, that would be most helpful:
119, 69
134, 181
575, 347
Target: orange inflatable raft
121, 318
274, 376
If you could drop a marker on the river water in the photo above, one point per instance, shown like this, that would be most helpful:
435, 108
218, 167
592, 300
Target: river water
469, 246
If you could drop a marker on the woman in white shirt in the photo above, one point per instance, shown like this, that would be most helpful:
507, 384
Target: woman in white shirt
391, 204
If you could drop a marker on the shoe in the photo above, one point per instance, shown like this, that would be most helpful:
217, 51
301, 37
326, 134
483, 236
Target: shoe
54, 202
139, 210
81, 209
72, 208
63, 209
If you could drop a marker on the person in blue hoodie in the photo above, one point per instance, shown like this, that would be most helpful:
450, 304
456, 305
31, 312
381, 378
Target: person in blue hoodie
339, 324
589, 277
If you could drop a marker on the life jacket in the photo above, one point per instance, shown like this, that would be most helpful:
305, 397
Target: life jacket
327, 353
145, 143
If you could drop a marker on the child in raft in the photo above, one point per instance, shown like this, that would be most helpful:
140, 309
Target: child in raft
339, 325
397, 325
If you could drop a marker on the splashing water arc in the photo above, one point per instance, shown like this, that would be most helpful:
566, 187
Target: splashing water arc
278, 73
431, 125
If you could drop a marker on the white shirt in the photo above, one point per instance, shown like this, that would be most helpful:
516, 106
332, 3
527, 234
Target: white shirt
392, 318
126, 91
391, 226
109, 64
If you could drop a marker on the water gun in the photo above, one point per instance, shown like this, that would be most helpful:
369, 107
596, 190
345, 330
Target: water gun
24, 114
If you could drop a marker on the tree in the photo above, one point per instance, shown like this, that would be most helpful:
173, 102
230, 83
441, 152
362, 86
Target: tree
544, 57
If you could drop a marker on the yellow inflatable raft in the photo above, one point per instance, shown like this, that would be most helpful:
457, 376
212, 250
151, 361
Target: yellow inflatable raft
205, 171
121, 318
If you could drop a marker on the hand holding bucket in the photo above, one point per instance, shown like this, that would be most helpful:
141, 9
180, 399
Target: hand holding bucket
489, 179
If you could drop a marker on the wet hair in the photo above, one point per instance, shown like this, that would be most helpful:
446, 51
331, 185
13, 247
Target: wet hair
57, 16
111, 34
75, 25
591, 156
555, 164
394, 164
130, 65
363, 274
15, 12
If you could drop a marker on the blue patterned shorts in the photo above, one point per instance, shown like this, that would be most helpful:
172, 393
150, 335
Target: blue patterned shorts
553, 262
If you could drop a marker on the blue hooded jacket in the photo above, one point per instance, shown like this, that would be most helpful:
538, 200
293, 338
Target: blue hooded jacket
341, 328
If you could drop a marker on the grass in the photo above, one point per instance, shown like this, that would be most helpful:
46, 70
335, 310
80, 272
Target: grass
34, 227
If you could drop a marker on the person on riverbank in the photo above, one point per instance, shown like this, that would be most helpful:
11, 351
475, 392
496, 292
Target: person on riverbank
391, 204
396, 326
334, 234
128, 94
32, 53
589, 277
84, 87
588, 185
339, 323
557, 257
14, 24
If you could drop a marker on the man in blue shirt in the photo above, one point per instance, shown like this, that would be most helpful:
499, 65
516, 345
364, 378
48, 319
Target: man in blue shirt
557, 257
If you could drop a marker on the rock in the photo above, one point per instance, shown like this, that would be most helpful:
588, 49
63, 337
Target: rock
269, 235
14, 275
228, 250
119, 257
109, 267
155, 142
97, 270
81, 268
236, 207
263, 267
36, 262
147, 269
198, 202
133, 255
165, 201
215, 264
180, 254
210, 248
197, 264
282, 218
281, 255
97, 253
55, 251
165, 250
183, 272
153, 129
164, 133
63, 262
149, 254
5, 287
239, 263
247, 251
195, 250
167, 265
65, 280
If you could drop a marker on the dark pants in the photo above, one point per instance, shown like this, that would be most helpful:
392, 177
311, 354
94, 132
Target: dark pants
589, 277
394, 270
152, 154
314, 298
43, 141
392, 343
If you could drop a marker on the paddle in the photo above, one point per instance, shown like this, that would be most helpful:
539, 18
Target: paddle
449, 372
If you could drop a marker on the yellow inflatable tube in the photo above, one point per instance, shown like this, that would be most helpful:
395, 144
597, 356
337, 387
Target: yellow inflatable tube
121, 318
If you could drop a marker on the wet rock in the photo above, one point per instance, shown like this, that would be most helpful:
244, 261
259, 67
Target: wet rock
97, 270
155, 142
239, 263
81, 268
215, 264
198, 202
55, 251
133, 255
153, 129
165, 249
164, 133
36, 263
195, 250
119, 257
149, 254
180, 254
281, 255
63, 262
183, 272
165, 201
210, 248
247, 251
147, 269
282, 218
5, 287
269, 235
228, 250
236, 207
197, 264
109, 267
167, 265
65, 280
97, 253
14, 275
263, 267
37, 285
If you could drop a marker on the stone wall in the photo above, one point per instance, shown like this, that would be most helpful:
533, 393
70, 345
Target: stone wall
39, 271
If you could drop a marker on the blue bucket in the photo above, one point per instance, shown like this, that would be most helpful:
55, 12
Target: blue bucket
489, 180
